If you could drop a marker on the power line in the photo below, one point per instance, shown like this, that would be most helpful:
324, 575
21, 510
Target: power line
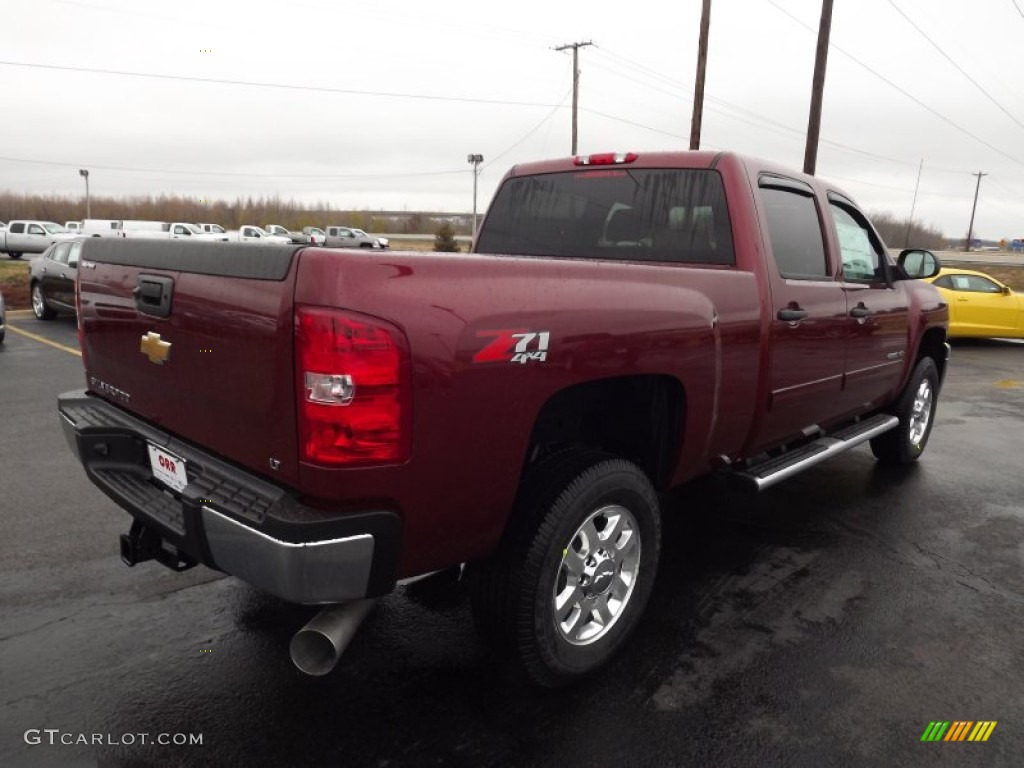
529, 133
960, 69
630, 122
893, 85
753, 116
325, 176
1017, 6
280, 86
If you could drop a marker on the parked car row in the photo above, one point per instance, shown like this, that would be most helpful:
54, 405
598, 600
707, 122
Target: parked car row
32, 236
152, 230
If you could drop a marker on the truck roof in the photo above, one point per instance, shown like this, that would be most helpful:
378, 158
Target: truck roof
700, 159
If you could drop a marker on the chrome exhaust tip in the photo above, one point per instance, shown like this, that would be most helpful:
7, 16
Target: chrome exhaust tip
316, 648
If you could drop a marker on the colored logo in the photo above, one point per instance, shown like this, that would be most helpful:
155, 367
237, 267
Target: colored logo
958, 730
513, 346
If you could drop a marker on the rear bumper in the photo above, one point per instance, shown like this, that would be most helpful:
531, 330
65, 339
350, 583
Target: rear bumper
229, 518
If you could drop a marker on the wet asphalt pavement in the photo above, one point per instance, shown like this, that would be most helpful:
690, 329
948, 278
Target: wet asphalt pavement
825, 622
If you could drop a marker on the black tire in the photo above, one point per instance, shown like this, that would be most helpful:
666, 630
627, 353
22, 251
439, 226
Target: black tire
916, 411
39, 306
513, 594
14, 256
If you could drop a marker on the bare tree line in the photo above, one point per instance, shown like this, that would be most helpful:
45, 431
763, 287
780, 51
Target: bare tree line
895, 233
249, 210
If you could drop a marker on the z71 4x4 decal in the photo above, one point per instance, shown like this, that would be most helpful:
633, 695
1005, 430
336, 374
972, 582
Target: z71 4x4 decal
513, 346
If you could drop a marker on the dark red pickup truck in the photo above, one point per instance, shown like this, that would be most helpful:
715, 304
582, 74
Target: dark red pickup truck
325, 423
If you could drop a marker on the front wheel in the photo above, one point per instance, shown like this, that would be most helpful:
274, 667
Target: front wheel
916, 411
576, 568
39, 308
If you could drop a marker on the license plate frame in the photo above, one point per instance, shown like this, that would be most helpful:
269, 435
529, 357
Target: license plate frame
168, 469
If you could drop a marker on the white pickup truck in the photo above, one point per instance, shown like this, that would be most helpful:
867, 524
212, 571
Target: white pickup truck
350, 237
316, 235
30, 236
250, 233
213, 229
296, 238
150, 230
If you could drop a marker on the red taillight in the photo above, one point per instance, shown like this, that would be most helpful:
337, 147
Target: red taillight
353, 388
606, 158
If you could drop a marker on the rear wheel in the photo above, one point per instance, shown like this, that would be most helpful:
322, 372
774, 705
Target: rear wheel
39, 307
14, 255
575, 570
916, 412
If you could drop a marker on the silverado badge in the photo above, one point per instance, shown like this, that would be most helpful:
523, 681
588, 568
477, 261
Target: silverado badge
156, 350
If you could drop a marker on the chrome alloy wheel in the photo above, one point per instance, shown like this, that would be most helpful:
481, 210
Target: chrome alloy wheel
38, 305
920, 413
597, 575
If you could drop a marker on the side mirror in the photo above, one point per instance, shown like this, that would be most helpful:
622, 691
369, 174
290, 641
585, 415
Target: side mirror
1006, 291
918, 264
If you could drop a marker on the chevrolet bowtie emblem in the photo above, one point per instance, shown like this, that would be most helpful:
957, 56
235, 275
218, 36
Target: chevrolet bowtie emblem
156, 350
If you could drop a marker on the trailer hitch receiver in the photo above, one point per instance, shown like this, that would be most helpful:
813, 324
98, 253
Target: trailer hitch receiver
141, 544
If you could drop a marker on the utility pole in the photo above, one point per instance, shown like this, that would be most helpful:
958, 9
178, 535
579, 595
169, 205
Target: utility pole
475, 160
698, 86
817, 87
575, 83
913, 205
970, 227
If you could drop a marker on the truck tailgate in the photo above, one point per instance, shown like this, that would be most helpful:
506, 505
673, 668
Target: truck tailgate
196, 338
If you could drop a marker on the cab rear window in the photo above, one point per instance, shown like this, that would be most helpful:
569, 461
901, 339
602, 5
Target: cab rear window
667, 215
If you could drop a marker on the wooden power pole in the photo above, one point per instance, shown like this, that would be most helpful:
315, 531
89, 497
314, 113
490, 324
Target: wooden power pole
817, 87
698, 86
970, 227
575, 84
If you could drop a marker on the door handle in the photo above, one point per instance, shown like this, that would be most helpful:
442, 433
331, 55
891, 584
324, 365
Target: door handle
860, 311
791, 314
43, 270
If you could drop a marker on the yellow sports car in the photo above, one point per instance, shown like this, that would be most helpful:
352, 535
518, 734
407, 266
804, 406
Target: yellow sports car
980, 305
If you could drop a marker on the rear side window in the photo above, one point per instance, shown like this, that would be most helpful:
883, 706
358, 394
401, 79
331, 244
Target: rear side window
972, 283
17, 229
795, 232
60, 253
672, 215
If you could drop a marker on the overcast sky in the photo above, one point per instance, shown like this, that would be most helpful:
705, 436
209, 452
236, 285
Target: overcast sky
379, 103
